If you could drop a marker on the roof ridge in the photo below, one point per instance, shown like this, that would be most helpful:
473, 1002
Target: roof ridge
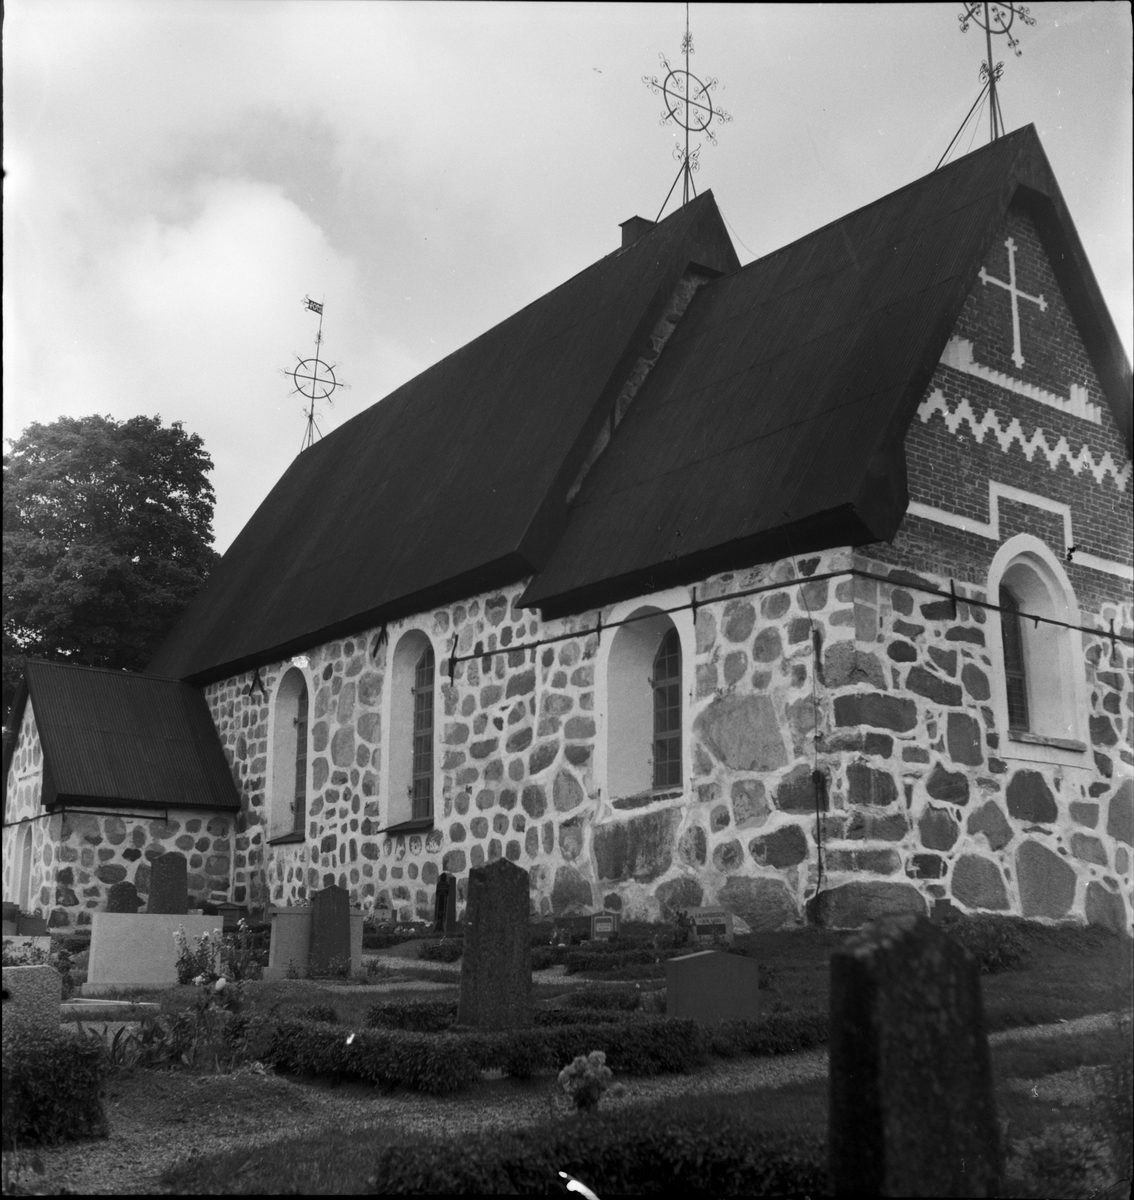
116, 671
921, 179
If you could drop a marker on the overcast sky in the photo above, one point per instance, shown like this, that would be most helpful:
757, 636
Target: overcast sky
180, 174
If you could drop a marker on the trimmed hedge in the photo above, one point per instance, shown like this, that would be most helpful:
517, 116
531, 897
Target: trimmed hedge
997, 943
432, 1063
444, 950
631, 1152
628, 998
421, 1016
320, 1012
777, 1033
547, 1017
52, 1085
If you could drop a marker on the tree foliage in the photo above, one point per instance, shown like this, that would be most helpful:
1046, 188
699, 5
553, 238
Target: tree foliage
107, 536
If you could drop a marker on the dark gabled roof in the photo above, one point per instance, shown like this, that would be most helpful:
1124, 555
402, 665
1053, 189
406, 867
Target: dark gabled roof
774, 421
772, 424
111, 738
456, 481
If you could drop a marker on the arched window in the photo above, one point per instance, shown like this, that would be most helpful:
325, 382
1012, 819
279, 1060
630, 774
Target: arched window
1015, 675
1040, 688
288, 802
413, 696
667, 712
24, 889
644, 703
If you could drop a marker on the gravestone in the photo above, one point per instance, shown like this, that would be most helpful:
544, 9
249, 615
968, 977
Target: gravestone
604, 926
912, 1111
169, 884
496, 967
710, 985
708, 923
445, 905
330, 930
123, 898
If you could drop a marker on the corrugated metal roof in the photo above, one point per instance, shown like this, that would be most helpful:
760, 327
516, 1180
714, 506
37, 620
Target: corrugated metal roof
442, 488
781, 401
114, 738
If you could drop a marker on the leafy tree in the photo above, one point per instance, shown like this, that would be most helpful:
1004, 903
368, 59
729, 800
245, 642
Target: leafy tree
107, 537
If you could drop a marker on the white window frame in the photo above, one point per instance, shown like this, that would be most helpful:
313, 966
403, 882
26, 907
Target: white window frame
397, 724
661, 602
1053, 660
280, 775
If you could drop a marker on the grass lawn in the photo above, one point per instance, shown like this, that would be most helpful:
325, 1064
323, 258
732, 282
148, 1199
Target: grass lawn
1060, 1135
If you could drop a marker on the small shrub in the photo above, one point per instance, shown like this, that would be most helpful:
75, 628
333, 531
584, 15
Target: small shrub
320, 1012
586, 1079
52, 1086
444, 950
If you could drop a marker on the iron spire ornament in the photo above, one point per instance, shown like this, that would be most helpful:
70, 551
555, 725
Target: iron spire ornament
689, 106
314, 378
994, 19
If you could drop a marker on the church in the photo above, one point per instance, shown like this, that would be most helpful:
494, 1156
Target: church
802, 588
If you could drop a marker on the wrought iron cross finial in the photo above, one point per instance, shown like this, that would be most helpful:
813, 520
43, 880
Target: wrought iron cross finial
689, 106
995, 19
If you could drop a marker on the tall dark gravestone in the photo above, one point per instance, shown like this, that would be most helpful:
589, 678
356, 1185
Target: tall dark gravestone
330, 930
169, 884
445, 905
496, 967
912, 1111
123, 898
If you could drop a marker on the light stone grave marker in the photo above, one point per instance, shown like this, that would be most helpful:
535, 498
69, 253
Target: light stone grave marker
604, 926
496, 967
709, 923
912, 1111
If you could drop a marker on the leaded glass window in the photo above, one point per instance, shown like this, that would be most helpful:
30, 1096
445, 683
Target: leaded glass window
1015, 679
422, 786
667, 712
299, 808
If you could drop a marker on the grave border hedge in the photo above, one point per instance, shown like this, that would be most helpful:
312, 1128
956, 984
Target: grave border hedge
52, 1088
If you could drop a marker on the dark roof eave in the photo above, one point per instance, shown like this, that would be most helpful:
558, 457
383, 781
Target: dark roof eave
504, 571
107, 802
842, 526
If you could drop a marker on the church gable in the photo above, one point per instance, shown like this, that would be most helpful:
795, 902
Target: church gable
1015, 433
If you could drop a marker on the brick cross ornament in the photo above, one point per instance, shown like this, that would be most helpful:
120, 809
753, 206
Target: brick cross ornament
1013, 291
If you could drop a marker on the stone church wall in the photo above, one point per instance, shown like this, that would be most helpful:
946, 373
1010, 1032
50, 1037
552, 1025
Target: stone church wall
77, 857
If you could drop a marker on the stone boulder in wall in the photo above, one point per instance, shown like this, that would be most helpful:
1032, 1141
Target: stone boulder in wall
743, 732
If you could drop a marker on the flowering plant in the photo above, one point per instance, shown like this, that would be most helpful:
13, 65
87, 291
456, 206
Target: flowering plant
202, 960
587, 1078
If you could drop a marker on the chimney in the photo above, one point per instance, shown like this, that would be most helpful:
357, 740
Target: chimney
633, 229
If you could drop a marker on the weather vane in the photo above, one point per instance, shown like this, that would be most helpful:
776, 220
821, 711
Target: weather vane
314, 379
995, 19
689, 105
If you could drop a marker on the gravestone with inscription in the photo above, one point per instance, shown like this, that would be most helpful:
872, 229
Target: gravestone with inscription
330, 931
496, 968
604, 926
709, 923
912, 1111
710, 985
169, 884
445, 905
123, 898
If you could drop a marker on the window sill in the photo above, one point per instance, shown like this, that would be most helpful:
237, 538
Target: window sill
1037, 739
416, 825
644, 798
286, 839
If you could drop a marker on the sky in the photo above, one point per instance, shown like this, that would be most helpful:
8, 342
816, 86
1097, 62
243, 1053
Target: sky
180, 175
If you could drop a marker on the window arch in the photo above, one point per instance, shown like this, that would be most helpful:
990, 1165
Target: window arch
413, 706
24, 856
1039, 687
644, 703
288, 803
